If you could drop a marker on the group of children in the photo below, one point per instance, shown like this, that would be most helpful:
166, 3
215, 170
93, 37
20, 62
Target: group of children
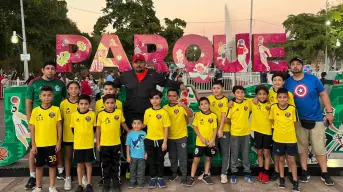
219, 122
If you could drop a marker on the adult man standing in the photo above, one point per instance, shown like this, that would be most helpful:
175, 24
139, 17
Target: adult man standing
33, 100
307, 89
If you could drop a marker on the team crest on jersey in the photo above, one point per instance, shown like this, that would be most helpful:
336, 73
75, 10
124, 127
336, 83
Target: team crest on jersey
220, 104
176, 111
57, 88
67, 111
116, 117
245, 108
210, 120
52, 114
158, 116
88, 118
287, 114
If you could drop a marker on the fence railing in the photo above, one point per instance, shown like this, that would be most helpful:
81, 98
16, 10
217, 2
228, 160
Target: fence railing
10, 83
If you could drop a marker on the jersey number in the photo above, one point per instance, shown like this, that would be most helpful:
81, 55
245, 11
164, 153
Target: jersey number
52, 159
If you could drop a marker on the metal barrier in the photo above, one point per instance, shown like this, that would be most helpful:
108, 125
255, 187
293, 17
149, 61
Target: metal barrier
10, 83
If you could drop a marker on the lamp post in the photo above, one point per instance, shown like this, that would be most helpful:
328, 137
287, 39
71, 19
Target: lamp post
327, 23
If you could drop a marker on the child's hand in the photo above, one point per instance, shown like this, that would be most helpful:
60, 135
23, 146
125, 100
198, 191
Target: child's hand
211, 143
255, 101
34, 150
98, 147
146, 156
220, 133
203, 140
230, 104
164, 146
128, 159
58, 147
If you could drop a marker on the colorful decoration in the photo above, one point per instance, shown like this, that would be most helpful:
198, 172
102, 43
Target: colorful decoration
110, 42
197, 70
307, 69
156, 58
65, 55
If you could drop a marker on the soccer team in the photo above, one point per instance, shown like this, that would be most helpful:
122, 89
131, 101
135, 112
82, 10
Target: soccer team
220, 126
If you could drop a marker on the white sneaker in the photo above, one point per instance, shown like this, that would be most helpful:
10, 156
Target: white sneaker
52, 189
37, 190
223, 179
84, 181
67, 184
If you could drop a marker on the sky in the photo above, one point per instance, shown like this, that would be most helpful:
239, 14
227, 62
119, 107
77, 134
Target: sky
268, 15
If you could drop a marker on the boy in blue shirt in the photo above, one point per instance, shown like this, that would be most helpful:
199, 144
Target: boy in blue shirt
136, 154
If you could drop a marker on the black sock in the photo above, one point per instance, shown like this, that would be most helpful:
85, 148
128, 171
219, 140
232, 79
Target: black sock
261, 169
265, 171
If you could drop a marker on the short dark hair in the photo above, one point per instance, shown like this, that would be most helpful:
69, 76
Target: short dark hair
218, 83
204, 99
73, 82
323, 74
109, 96
154, 93
278, 74
46, 88
137, 118
51, 62
261, 87
173, 90
84, 97
109, 83
282, 91
237, 87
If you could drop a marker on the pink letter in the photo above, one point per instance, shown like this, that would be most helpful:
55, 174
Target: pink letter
156, 58
222, 50
262, 52
197, 70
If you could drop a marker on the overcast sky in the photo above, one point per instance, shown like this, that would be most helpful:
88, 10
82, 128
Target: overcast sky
269, 13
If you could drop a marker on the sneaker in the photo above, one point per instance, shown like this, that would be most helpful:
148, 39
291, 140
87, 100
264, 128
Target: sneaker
282, 183
275, 176
31, 183
152, 183
173, 177
84, 181
265, 178
131, 185
248, 178
61, 176
259, 177
190, 182
233, 179
207, 179
183, 180
106, 188
326, 179
52, 189
223, 179
296, 187
161, 183
305, 176
37, 189
140, 186
89, 188
67, 184
79, 188
101, 182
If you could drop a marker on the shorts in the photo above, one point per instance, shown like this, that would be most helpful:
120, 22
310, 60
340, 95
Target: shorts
65, 144
199, 151
46, 156
315, 136
84, 155
262, 141
280, 149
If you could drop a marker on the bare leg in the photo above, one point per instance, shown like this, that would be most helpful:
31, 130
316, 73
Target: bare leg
32, 162
292, 166
207, 165
282, 166
69, 153
80, 172
322, 162
39, 175
89, 172
276, 164
260, 157
60, 159
52, 175
266, 153
195, 164
303, 160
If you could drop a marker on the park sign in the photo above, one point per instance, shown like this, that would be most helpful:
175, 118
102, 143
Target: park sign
218, 52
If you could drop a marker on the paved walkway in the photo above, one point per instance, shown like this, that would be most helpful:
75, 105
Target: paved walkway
15, 184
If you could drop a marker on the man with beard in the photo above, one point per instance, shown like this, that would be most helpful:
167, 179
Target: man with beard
33, 100
307, 89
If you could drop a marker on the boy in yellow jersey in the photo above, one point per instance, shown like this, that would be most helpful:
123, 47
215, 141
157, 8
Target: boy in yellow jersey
157, 121
67, 107
205, 126
240, 133
262, 128
108, 141
284, 117
83, 123
219, 106
109, 88
46, 135
178, 133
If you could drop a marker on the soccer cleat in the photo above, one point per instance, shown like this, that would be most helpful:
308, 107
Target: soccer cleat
223, 179
207, 179
265, 178
79, 188
282, 183
326, 179
233, 179
190, 182
160, 182
52, 189
305, 176
31, 183
152, 183
259, 177
173, 177
67, 184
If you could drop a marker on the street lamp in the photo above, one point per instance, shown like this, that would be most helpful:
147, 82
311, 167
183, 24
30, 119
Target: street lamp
328, 22
338, 43
14, 38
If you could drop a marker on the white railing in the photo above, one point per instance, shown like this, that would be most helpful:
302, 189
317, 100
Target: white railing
10, 83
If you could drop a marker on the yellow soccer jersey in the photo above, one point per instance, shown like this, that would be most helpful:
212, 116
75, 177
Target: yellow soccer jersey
156, 120
83, 125
67, 108
272, 97
239, 116
219, 106
109, 124
177, 116
45, 122
260, 121
99, 105
205, 123
284, 119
